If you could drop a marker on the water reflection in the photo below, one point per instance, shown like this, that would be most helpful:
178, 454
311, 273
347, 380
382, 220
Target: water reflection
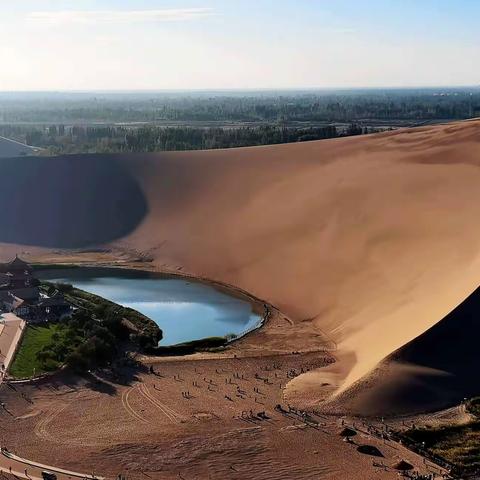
184, 310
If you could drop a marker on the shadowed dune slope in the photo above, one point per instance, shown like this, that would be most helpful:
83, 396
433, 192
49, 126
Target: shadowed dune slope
67, 202
371, 240
437, 369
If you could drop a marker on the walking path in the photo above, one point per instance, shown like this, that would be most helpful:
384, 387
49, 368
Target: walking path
26, 469
14, 148
11, 331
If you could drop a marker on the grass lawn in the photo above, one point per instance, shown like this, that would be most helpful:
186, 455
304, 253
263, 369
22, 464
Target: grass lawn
35, 338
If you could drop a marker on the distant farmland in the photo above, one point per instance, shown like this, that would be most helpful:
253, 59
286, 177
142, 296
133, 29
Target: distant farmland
12, 148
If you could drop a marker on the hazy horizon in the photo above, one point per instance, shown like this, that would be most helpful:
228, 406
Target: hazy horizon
179, 45
259, 90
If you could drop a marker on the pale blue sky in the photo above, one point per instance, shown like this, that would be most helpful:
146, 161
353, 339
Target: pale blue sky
187, 44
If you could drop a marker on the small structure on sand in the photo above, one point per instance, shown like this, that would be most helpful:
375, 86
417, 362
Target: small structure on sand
20, 294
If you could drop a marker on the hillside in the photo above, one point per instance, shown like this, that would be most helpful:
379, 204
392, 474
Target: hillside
368, 240
435, 370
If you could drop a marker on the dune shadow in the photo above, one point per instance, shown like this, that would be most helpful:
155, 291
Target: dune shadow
124, 376
68, 201
438, 369
102, 380
370, 450
75, 381
99, 385
453, 347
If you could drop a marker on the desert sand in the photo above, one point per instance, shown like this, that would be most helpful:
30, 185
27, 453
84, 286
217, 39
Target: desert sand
361, 243
371, 240
142, 425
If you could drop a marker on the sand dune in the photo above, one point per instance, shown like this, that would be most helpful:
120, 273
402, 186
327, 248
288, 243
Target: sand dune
371, 240
60, 202
435, 370
11, 148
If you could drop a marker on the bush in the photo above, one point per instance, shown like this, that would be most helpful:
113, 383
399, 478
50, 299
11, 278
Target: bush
50, 365
64, 287
473, 406
115, 325
77, 361
45, 355
189, 347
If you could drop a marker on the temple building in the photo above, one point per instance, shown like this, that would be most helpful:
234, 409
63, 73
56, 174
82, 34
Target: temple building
18, 273
20, 294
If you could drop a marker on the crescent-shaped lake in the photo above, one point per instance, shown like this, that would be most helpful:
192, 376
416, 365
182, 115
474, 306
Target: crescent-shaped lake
183, 309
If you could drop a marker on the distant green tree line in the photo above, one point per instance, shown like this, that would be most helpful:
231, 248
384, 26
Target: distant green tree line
101, 139
327, 106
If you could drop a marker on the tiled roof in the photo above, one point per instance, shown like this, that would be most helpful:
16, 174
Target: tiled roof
17, 302
17, 264
55, 301
31, 293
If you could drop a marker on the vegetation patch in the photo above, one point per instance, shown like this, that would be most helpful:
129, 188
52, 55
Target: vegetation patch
187, 348
144, 332
457, 444
27, 361
97, 333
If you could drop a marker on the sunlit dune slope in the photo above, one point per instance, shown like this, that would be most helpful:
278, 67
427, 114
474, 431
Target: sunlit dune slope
371, 239
437, 369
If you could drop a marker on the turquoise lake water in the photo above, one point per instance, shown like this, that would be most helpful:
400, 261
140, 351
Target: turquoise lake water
183, 310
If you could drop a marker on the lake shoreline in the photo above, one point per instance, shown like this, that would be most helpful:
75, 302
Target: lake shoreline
258, 307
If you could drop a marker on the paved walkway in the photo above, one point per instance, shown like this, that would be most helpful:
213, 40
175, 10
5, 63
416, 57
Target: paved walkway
26, 469
11, 331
